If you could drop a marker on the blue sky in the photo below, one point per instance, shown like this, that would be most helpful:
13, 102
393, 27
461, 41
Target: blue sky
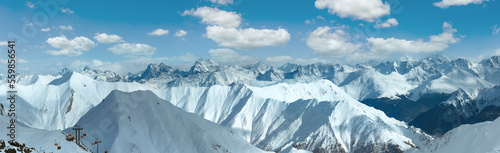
125, 36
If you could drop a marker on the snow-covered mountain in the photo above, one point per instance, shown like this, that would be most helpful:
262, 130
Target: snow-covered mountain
316, 116
52, 103
36, 140
279, 117
289, 108
141, 122
480, 137
98, 75
435, 74
460, 109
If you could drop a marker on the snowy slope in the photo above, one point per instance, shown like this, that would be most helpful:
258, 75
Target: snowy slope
272, 117
141, 122
315, 116
40, 140
460, 109
475, 138
58, 102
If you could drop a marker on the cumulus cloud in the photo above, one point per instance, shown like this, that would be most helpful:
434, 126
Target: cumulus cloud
387, 24
367, 10
67, 10
448, 3
325, 41
496, 29
435, 44
158, 32
222, 2
68, 27
45, 29
249, 38
224, 29
106, 39
132, 49
228, 56
279, 59
180, 33
68, 47
215, 16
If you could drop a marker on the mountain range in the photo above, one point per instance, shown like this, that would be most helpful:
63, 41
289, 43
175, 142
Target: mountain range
369, 107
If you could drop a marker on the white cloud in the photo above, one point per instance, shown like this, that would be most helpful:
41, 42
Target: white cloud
435, 44
223, 2
68, 27
312, 21
325, 42
387, 24
214, 16
158, 32
367, 10
180, 33
18, 60
312, 61
496, 29
247, 38
132, 49
320, 17
67, 10
30, 4
72, 47
106, 39
363, 56
448, 3
223, 29
3, 43
45, 29
497, 51
228, 56
279, 59
69, 53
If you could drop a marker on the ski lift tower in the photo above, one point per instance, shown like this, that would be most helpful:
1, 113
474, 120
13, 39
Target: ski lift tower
77, 130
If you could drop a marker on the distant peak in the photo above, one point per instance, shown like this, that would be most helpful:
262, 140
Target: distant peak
206, 62
86, 68
202, 65
439, 56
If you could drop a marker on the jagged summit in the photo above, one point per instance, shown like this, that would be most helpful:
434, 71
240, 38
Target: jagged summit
362, 81
202, 65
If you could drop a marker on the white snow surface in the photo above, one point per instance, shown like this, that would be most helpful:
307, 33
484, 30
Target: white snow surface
475, 138
45, 104
141, 122
281, 116
41, 140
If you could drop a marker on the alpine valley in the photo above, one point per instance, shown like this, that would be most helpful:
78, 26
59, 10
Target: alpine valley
435, 104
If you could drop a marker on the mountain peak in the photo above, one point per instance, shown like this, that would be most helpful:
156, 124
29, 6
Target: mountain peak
86, 68
259, 67
64, 71
202, 65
